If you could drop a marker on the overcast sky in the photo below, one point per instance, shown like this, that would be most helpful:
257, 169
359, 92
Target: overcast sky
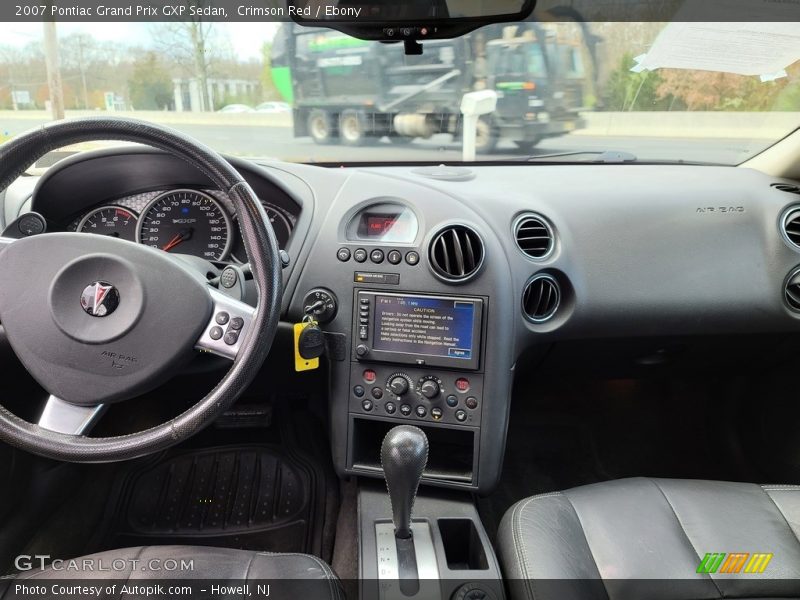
245, 38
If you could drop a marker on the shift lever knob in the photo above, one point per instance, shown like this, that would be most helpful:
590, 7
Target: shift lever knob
404, 454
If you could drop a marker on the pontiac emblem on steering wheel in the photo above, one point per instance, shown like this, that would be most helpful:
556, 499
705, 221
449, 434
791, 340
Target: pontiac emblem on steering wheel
100, 299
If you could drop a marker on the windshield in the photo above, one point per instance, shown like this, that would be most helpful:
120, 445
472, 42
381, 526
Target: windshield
697, 92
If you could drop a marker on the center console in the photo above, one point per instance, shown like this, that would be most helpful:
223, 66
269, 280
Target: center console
416, 358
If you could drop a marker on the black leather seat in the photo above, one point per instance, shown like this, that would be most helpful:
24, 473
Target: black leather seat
646, 538
290, 575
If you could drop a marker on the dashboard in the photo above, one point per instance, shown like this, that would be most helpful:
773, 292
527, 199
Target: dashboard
434, 283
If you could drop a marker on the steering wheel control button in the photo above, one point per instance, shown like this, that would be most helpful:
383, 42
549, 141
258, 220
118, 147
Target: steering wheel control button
100, 299
390, 408
462, 385
231, 338
405, 410
228, 278
360, 255
452, 401
376, 256
412, 258
422, 412
359, 391
472, 403
237, 323
377, 393
216, 333
461, 416
343, 254
436, 413
367, 405
394, 257
222, 318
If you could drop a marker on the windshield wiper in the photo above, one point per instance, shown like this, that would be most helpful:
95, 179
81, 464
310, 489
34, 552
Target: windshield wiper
602, 156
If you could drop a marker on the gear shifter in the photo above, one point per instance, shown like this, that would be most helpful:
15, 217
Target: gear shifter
404, 454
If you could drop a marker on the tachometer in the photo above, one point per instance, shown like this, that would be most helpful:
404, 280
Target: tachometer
110, 220
186, 222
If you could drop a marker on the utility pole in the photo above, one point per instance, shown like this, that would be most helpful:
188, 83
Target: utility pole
53, 70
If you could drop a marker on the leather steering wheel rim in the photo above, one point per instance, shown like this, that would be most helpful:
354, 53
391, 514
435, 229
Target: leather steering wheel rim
17, 155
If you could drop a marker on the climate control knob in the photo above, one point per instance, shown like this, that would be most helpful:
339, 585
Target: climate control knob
399, 385
430, 389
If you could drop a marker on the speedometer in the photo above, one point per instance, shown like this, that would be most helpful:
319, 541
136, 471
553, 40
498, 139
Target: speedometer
186, 222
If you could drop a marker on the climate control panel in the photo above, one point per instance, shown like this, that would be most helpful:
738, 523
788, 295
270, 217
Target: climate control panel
416, 394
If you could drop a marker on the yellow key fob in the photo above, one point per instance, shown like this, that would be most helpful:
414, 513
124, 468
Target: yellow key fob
301, 364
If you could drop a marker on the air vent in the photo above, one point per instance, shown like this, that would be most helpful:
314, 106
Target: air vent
534, 236
456, 253
792, 291
791, 225
787, 187
541, 298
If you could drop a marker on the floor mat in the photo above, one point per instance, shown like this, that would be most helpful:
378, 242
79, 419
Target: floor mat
249, 497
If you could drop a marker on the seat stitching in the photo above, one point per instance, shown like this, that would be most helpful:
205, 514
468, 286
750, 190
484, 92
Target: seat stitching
683, 529
128, 578
783, 516
247, 571
591, 553
516, 531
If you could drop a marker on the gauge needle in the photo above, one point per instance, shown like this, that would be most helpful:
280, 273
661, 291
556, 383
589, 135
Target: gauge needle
182, 236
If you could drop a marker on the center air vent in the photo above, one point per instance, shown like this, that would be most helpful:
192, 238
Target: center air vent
791, 226
792, 291
456, 253
541, 298
534, 236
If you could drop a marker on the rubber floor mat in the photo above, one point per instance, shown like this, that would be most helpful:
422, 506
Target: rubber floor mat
250, 497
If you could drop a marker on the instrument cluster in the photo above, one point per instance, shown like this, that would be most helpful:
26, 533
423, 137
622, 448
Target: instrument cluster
185, 221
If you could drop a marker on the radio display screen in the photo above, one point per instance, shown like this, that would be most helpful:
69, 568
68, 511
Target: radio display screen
428, 326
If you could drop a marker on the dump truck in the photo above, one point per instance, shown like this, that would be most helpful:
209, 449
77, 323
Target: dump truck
346, 90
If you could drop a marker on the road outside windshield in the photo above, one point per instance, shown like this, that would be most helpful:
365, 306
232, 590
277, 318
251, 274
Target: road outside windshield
698, 92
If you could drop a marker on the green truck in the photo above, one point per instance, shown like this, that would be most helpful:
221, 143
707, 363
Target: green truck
346, 90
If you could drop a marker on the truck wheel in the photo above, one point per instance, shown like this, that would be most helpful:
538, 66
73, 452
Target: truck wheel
353, 128
487, 137
320, 127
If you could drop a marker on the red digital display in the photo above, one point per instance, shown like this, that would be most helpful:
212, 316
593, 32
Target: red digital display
378, 226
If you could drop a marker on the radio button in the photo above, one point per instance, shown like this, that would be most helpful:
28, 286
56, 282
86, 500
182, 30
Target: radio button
343, 254
394, 257
421, 412
405, 410
360, 255
362, 350
376, 256
363, 332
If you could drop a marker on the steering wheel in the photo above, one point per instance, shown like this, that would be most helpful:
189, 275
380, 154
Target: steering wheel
97, 320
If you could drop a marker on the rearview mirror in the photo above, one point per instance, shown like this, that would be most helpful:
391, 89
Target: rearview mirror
407, 20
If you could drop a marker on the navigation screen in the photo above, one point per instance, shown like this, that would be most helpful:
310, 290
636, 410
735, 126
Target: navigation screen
427, 326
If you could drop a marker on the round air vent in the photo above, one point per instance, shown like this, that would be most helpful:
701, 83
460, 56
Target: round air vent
534, 236
792, 291
456, 253
541, 298
791, 226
